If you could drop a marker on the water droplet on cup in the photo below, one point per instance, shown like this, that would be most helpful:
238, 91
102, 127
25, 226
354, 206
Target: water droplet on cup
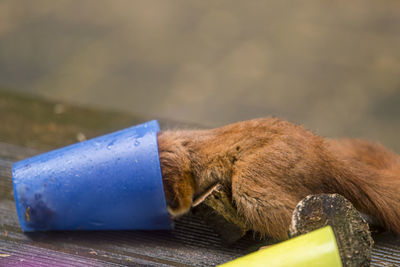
110, 144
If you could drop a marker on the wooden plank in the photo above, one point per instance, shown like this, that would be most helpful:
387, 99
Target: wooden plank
29, 126
32, 122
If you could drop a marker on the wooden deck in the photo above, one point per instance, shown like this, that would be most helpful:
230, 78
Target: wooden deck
29, 126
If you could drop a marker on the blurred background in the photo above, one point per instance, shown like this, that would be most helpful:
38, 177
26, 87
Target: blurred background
333, 66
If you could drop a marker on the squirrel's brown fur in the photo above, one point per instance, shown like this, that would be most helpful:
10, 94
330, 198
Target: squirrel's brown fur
270, 165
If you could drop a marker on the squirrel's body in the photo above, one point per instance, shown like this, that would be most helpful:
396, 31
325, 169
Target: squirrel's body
270, 165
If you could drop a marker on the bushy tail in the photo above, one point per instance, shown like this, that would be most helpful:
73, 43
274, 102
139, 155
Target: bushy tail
368, 174
374, 192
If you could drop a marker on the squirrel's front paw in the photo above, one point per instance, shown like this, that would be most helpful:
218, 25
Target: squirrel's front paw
179, 196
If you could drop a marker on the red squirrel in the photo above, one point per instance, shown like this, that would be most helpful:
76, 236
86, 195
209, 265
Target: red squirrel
269, 165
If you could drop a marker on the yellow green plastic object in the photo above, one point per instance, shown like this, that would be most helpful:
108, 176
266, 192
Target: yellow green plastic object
317, 248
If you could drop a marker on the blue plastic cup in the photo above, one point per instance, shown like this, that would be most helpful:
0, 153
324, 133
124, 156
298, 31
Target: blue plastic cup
112, 182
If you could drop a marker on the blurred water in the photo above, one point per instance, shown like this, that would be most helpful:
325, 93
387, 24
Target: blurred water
331, 65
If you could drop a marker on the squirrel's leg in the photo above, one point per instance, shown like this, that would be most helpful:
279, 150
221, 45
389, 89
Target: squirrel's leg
265, 206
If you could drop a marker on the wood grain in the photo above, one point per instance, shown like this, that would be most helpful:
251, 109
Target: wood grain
25, 131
